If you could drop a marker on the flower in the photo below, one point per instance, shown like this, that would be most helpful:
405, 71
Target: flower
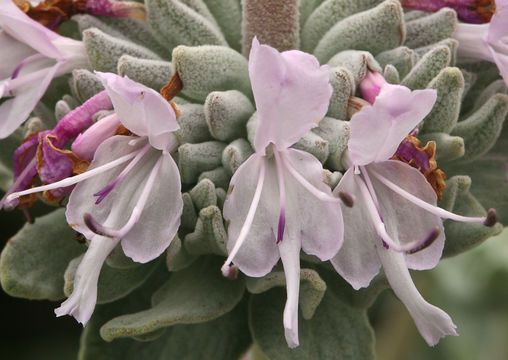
395, 222
30, 57
487, 41
138, 204
41, 153
470, 11
291, 92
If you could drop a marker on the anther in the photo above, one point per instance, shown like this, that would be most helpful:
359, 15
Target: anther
95, 226
491, 218
429, 240
346, 198
230, 271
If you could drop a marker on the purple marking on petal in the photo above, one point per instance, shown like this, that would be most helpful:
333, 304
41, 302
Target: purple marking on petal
282, 224
385, 245
104, 192
429, 240
95, 226
26, 61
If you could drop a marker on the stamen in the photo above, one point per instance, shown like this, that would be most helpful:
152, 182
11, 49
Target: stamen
371, 190
99, 229
73, 179
321, 195
226, 268
410, 247
434, 209
26, 61
429, 240
282, 196
104, 192
232, 272
346, 198
30, 167
491, 218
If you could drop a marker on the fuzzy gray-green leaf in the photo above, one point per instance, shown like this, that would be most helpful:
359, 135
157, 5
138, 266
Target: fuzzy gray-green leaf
205, 69
357, 62
227, 113
481, 130
449, 84
235, 154
113, 283
32, 262
448, 147
193, 126
104, 50
374, 30
336, 132
180, 24
193, 159
343, 84
463, 236
312, 288
336, 331
85, 84
152, 73
209, 236
193, 295
431, 29
427, 68
326, 15
402, 57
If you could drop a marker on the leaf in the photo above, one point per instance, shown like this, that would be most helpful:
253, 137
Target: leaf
463, 236
449, 84
430, 29
312, 288
152, 73
337, 331
235, 154
104, 50
193, 126
193, 159
203, 194
178, 23
209, 236
227, 113
481, 129
427, 68
33, 262
196, 294
113, 283
204, 69
375, 30
225, 338
326, 15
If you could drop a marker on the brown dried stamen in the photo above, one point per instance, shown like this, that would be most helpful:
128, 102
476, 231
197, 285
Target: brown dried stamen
434, 176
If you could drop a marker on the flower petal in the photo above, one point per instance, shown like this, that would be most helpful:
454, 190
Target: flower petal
318, 223
160, 219
160, 216
141, 110
14, 111
291, 92
404, 220
377, 130
13, 52
82, 301
357, 261
259, 252
498, 27
289, 250
21, 27
432, 322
